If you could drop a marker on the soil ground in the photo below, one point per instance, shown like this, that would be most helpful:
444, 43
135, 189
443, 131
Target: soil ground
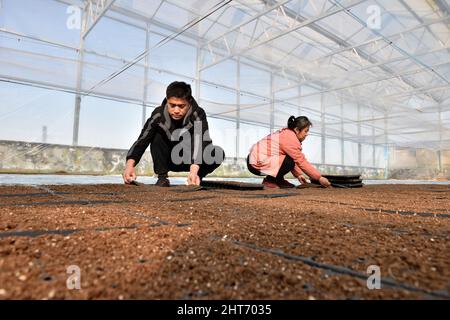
145, 242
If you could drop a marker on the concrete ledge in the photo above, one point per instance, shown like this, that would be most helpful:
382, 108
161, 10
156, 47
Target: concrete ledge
37, 158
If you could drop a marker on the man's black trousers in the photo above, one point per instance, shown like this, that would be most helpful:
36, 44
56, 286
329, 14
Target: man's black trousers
161, 150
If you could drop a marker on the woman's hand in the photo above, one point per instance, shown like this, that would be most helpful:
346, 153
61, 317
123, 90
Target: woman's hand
302, 179
129, 174
193, 178
324, 182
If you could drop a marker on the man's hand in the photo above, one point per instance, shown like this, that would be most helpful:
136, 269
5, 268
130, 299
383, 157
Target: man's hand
193, 178
324, 182
302, 179
129, 174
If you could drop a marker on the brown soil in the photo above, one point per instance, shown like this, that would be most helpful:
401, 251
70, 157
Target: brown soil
176, 243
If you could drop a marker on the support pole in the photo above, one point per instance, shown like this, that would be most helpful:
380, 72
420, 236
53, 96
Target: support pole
342, 132
146, 70
76, 117
386, 147
322, 118
272, 102
299, 101
440, 153
359, 138
238, 111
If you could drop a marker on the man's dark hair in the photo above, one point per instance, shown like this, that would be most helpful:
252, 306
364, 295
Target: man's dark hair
180, 90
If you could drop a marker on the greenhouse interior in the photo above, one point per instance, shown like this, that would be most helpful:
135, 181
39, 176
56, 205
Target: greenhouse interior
349, 201
372, 76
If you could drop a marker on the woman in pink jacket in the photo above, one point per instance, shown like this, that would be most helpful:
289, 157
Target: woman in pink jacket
280, 153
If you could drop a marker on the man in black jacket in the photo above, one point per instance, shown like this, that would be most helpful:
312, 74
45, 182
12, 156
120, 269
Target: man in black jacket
177, 132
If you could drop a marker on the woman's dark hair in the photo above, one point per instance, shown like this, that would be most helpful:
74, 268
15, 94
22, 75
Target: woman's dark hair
299, 123
180, 90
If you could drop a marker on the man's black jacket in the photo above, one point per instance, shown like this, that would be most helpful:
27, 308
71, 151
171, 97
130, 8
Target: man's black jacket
161, 122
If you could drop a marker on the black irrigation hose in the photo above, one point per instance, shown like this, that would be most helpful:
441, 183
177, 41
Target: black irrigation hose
55, 203
24, 195
90, 202
38, 233
336, 269
193, 199
269, 196
396, 231
44, 194
405, 213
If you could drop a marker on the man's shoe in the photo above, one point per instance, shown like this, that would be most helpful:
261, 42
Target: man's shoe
163, 182
284, 184
269, 183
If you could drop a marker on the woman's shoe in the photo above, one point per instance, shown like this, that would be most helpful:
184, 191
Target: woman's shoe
270, 184
284, 184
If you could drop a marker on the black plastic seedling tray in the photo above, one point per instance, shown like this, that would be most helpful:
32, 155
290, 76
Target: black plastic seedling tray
232, 185
343, 181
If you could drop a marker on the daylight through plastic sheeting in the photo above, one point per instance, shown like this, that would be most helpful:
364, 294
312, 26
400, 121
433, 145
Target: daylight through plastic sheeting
373, 76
